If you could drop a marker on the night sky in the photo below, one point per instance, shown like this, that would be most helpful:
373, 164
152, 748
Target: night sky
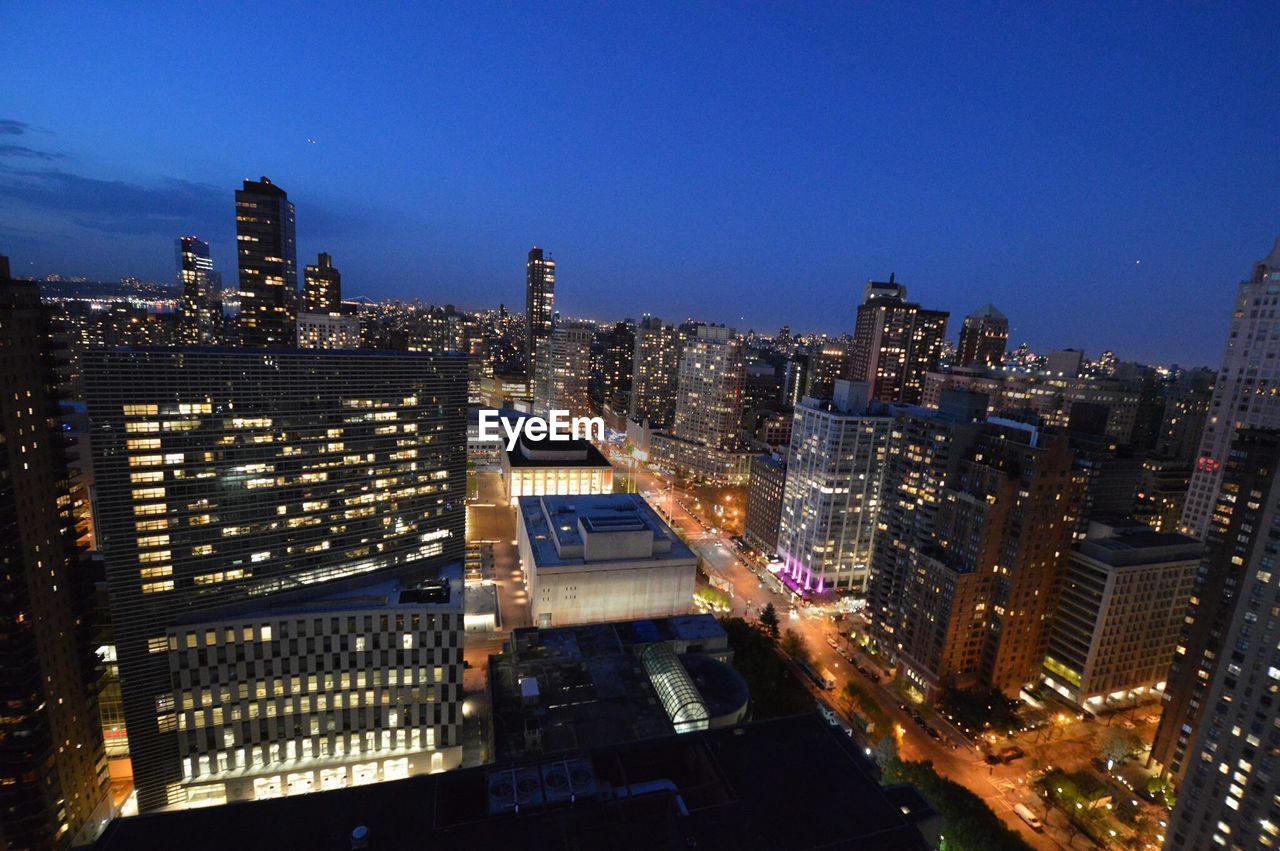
1104, 177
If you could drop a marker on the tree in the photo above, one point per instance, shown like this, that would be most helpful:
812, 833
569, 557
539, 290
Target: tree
769, 618
885, 752
1118, 743
793, 645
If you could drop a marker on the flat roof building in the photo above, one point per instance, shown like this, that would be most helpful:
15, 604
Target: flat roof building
341, 690
601, 558
1120, 614
554, 467
702, 790
562, 689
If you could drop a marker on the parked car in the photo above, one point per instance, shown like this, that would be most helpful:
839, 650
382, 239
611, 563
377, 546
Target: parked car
1012, 753
1024, 812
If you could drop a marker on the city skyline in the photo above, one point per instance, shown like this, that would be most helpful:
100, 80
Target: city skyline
831, 183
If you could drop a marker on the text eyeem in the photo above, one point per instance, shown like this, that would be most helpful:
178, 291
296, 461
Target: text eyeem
558, 426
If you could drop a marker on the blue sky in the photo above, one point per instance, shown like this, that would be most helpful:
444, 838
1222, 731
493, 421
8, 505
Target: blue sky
1103, 175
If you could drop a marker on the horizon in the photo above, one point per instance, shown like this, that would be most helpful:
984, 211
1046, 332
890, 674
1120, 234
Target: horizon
756, 174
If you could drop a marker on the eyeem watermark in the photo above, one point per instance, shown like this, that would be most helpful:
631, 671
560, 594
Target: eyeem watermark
559, 426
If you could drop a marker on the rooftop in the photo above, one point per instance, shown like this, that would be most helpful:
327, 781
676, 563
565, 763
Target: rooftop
576, 530
555, 453
700, 790
554, 690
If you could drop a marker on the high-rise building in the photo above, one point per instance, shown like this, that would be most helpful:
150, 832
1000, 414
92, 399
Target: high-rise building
617, 352
924, 447
983, 338
1243, 395
1237, 545
233, 481
53, 771
1119, 616
835, 469
539, 304
322, 287
980, 567
766, 482
1051, 396
328, 331
1227, 736
831, 363
200, 305
655, 372
268, 258
895, 342
704, 441
563, 362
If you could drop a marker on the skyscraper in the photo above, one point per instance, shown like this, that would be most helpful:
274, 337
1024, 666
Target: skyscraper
1243, 396
925, 446
268, 258
200, 305
831, 501
1237, 544
563, 363
1228, 797
828, 365
655, 372
231, 481
618, 348
322, 287
704, 441
983, 338
539, 304
972, 540
53, 772
895, 342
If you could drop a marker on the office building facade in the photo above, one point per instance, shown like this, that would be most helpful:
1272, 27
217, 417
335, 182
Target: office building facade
1119, 616
229, 477
340, 690
267, 253
1243, 395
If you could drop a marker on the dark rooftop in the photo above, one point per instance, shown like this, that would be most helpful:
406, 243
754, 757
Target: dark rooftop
792, 783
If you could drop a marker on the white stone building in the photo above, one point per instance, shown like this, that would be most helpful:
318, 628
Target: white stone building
601, 558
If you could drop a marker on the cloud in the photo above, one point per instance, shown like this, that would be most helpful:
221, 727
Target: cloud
9, 127
168, 206
28, 153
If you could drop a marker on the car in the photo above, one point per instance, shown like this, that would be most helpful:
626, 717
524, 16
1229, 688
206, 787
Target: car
1024, 812
1012, 753
1128, 724
831, 642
